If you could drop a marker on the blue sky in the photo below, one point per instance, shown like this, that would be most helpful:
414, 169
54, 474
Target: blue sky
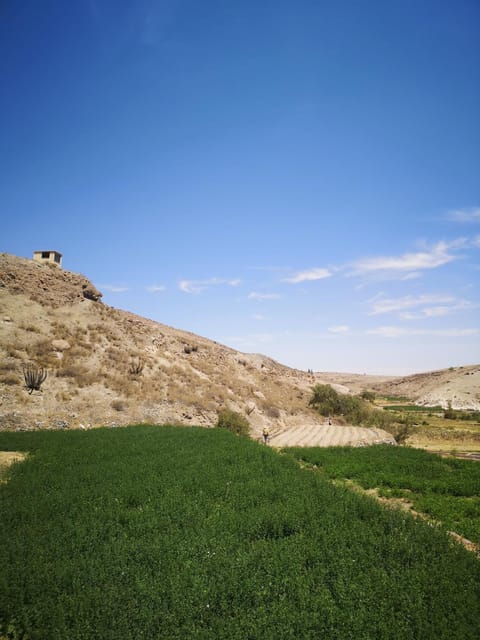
300, 179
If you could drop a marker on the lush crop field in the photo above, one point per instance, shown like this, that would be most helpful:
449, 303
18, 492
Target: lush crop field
446, 489
184, 533
412, 407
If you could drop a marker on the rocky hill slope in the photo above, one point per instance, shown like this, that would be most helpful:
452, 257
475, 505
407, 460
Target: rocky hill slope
110, 367
92, 354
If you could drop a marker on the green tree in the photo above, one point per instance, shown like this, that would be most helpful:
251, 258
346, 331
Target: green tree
325, 400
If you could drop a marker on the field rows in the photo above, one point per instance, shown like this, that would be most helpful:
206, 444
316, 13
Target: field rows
328, 436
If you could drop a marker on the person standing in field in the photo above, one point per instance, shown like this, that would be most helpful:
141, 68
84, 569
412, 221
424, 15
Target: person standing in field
266, 435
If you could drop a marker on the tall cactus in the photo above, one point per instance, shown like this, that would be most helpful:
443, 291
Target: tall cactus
34, 377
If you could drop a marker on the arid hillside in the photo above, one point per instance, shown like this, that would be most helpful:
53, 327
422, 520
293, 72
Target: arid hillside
458, 386
105, 366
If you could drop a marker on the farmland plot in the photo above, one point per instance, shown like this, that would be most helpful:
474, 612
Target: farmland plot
329, 436
175, 533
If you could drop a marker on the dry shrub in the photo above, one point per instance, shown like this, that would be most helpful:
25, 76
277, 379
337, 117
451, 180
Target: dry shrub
271, 411
31, 328
114, 355
7, 366
119, 405
63, 396
79, 374
71, 371
9, 379
12, 352
42, 353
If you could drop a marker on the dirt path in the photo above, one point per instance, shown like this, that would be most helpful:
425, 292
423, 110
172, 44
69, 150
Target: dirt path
329, 436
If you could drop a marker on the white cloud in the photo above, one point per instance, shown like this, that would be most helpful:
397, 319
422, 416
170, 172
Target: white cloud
437, 256
471, 214
197, 286
254, 295
154, 288
428, 312
434, 306
311, 274
113, 288
476, 241
258, 316
397, 332
341, 328
389, 305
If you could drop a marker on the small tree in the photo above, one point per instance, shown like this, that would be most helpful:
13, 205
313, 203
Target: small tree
325, 400
34, 377
234, 422
450, 414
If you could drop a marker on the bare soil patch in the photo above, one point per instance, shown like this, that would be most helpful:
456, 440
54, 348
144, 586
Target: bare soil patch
7, 458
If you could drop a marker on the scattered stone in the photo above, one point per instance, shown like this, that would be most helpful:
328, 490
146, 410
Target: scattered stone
60, 345
91, 293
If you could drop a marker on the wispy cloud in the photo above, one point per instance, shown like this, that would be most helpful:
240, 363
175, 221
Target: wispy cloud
197, 286
113, 288
339, 329
309, 275
155, 288
389, 305
258, 316
434, 306
398, 332
440, 311
411, 263
254, 295
471, 214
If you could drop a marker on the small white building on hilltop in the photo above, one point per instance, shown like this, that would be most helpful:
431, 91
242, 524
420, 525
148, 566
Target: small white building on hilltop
51, 257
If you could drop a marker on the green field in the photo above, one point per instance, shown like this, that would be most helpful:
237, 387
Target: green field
180, 533
446, 489
412, 407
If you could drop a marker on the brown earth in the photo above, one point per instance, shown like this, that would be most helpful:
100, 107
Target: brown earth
56, 320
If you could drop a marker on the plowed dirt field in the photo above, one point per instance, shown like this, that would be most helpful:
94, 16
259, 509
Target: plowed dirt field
329, 436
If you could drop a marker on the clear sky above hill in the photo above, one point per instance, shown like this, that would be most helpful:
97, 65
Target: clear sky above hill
300, 179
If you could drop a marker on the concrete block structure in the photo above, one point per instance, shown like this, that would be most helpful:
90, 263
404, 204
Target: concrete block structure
52, 257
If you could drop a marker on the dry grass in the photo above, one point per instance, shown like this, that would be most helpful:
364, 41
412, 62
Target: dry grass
9, 379
119, 405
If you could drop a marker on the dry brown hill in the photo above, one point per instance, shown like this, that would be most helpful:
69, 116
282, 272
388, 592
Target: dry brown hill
458, 386
56, 319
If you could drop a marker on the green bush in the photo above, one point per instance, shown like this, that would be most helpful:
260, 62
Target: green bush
367, 395
234, 422
354, 408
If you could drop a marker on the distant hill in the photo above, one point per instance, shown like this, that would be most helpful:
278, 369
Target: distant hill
56, 320
458, 386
